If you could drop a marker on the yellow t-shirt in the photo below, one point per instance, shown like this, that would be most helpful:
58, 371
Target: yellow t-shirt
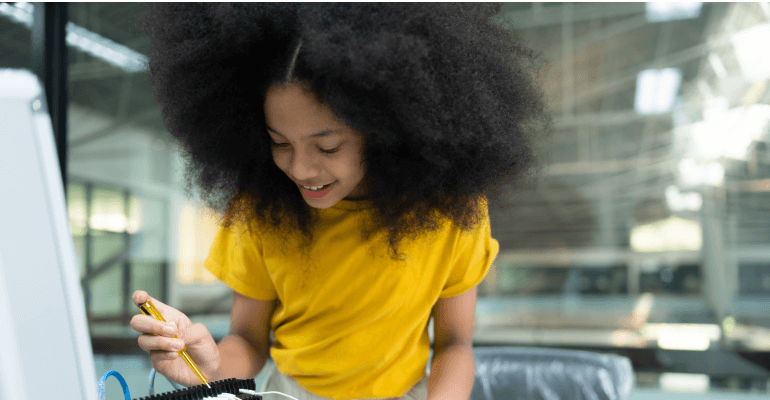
353, 322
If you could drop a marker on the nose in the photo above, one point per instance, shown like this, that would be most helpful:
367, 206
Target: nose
303, 166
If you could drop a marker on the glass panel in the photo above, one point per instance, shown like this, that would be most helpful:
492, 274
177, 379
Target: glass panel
105, 246
77, 207
107, 293
15, 20
149, 246
78, 219
117, 143
80, 253
611, 280
647, 230
147, 214
108, 210
116, 132
755, 279
147, 276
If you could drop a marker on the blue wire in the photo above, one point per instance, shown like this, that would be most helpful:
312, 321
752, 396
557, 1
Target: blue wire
122, 381
152, 382
151, 391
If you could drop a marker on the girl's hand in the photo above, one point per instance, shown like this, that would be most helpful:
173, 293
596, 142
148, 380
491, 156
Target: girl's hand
158, 339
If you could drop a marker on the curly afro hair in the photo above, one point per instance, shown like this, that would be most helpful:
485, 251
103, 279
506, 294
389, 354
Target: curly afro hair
445, 100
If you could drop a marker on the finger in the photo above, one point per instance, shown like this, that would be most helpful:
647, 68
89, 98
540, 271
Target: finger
195, 332
162, 308
146, 324
139, 297
199, 340
151, 343
163, 355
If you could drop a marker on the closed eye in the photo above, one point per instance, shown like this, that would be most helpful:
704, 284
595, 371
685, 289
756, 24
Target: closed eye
329, 151
334, 150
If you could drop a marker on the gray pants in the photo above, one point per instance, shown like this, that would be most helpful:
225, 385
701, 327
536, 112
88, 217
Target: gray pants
275, 381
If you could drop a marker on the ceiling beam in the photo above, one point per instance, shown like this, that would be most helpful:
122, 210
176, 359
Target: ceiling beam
606, 118
670, 60
601, 35
665, 30
132, 120
552, 15
605, 167
567, 76
751, 186
92, 70
587, 257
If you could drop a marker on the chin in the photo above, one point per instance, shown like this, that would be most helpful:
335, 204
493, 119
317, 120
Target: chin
322, 206
322, 203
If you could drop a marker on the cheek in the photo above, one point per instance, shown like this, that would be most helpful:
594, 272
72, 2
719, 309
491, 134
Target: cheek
352, 170
280, 160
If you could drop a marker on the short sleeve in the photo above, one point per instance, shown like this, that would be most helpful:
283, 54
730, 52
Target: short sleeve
474, 254
236, 259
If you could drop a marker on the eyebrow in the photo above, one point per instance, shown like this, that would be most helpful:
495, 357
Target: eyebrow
318, 134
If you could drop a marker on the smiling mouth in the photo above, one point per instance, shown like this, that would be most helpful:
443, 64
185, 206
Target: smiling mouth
315, 188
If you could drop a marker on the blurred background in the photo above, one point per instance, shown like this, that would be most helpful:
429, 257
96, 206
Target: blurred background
648, 234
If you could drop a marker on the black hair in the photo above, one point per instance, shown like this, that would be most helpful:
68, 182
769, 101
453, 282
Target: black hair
445, 99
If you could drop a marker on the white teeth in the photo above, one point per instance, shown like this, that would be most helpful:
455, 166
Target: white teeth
312, 187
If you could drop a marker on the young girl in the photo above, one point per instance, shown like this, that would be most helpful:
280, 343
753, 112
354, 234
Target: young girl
353, 149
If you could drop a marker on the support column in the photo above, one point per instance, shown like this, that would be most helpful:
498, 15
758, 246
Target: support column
605, 216
127, 309
568, 79
720, 288
49, 62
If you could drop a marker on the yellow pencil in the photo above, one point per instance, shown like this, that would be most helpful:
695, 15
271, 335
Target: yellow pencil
149, 309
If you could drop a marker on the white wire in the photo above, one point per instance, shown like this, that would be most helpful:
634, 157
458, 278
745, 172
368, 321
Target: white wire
251, 392
222, 396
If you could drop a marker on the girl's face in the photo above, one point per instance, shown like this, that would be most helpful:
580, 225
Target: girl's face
313, 147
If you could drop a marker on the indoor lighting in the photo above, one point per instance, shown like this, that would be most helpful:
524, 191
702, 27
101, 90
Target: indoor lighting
18, 12
765, 6
105, 217
683, 341
656, 90
678, 201
729, 133
666, 11
674, 336
728, 326
105, 49
670, 234
715, 107
717, 65
196, 229
84, 40
692, 173
627, 338
752, 51
686, 383
108, 222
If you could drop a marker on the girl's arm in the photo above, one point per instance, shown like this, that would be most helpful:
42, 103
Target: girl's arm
452, 370
244, 351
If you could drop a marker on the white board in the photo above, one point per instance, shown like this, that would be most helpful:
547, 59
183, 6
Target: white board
45, 348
